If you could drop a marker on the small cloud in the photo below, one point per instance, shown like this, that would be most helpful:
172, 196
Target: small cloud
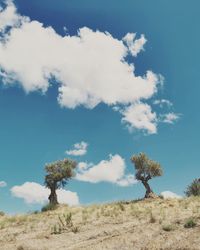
3, 184
79, 149
34, 193
134, 45
65, 29
111, 170
140, 116
170, 195
170, 118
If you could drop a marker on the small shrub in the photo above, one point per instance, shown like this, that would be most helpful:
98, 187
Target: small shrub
152, 218
64, 224
75, 229
194, 188
168, 228
2, 213
48, 207
20, 248
121, 206
56, 229
190, 223
36, 212
84, 216
68, 219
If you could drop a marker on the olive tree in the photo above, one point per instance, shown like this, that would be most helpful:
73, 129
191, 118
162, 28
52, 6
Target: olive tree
194, 188
58, 174
146, 169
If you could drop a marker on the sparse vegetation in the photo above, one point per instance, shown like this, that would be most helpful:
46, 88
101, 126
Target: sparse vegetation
121, 206
107, 226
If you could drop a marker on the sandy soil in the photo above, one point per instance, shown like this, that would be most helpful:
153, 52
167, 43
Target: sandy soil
151, 224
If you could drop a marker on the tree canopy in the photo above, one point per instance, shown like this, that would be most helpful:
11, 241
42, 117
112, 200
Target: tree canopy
58, 174
146, 169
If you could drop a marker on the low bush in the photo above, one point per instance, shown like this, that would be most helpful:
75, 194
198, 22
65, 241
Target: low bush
190, 223
2, 213
168, 228
48, 207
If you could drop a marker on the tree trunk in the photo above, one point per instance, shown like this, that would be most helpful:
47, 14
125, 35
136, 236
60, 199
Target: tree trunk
149, 191
53, 196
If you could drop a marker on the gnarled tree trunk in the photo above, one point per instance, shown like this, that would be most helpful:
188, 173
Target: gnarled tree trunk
53, 200
149, 192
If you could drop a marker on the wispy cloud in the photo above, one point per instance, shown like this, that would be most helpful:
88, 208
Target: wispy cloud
163, 102
170, 118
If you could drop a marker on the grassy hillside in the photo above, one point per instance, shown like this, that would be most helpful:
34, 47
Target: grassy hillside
147, 224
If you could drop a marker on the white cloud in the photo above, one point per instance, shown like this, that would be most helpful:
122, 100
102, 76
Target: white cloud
134, 45
79, 149
34, 193
90, 67
140, 116
170, 195
3, 184
170, 118
111, 170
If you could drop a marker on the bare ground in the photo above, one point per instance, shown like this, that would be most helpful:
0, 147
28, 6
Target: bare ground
149, 224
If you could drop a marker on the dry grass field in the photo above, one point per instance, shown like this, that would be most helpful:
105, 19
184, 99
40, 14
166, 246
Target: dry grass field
146, 224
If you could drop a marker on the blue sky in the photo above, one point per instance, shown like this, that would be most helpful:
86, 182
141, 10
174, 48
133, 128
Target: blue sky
35, 129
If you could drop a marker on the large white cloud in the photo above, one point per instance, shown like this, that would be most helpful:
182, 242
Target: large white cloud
79, 149
34, 193
90, 67
111, 170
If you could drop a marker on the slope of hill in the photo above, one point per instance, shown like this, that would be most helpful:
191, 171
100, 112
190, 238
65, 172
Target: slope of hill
146, 224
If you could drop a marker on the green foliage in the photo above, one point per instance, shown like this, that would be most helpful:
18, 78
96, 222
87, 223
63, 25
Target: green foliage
194, 188
49, 207
59, 172
190, 223
145, 168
